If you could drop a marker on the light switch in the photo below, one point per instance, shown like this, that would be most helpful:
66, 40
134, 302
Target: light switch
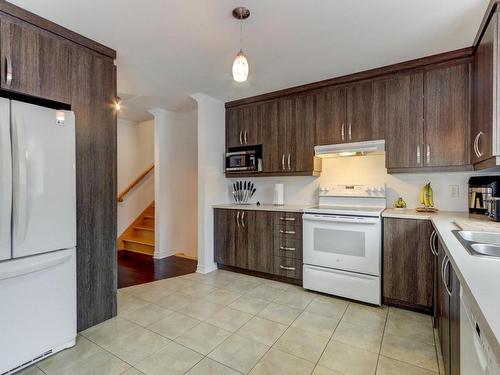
454, 191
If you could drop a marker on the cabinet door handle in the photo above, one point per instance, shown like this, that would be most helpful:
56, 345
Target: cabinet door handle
8, 71
246, 137
243, 219
428, 154
432, 243
283, 161
287, 268
350, 132
447, 271
444, 265
238, 218
343, 132
287, 248
287, 218
418, 154
289, 166
476, 144
287, 231
241, 137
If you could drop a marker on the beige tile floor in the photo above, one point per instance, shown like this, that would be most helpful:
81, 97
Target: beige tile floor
228, 323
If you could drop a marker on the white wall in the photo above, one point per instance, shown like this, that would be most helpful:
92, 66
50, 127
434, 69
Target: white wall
368, 170
135, 154
185, 173
211, 181
176, 183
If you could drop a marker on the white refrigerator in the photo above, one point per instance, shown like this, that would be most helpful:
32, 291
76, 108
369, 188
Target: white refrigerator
37, 233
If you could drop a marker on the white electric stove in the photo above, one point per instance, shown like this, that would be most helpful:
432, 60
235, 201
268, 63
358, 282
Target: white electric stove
342, 242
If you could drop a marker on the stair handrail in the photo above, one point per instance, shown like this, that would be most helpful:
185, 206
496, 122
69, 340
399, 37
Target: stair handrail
135, 182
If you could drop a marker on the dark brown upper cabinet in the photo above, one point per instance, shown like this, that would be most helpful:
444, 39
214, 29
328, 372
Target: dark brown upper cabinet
242, 126
331, 116
446, 109
33, 61
350, 114
301, 135
365, 111
296, 117
484, 107
427, 119
270, 136
404, 121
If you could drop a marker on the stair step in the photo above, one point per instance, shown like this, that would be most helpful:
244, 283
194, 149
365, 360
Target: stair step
150, 217
145, 228
144, 233
139, 245
142, 241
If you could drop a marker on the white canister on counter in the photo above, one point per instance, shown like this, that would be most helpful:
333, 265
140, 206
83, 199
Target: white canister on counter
279, 194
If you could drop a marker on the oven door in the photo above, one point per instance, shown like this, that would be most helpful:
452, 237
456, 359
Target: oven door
350, 243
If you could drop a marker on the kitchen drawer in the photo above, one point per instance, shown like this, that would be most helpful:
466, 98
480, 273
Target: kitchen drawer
287, 247
288, 218
288, 267
288, 231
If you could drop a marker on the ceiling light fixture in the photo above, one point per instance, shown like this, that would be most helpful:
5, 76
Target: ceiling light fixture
240, 63
118, 103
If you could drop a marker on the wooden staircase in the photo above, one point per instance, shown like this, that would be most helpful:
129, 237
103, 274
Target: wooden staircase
139, 237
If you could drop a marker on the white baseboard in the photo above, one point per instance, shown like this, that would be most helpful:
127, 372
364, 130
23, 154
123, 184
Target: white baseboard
160, 254
206, 268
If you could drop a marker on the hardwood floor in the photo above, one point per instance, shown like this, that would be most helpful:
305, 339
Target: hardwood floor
135, 268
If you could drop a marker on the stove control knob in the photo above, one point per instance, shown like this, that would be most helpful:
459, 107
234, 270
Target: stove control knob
381, 190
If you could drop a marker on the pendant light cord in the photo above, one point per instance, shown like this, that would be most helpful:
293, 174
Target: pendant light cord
241, 31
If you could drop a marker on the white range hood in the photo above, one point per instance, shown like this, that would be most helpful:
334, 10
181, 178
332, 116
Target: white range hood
350, 149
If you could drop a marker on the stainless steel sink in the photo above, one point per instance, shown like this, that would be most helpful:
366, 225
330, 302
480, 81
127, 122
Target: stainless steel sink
481, 237
486, 249
486, 244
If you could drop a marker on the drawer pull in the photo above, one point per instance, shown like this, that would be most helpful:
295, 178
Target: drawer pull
287, 248
287, 218
287, 268
287, 231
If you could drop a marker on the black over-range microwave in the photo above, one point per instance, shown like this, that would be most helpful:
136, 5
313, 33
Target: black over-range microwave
244, 159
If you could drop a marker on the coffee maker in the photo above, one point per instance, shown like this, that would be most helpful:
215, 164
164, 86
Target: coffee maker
482, 191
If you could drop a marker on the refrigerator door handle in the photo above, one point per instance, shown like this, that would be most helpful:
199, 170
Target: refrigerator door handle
17, 270
5, 180
20, 181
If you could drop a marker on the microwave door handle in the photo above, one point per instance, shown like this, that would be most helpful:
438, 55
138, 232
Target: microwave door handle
337, 219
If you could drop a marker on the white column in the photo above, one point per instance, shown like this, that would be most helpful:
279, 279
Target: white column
212, 186
164, 188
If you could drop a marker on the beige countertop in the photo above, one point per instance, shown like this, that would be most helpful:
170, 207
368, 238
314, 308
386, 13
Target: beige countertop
479, 276
263, 207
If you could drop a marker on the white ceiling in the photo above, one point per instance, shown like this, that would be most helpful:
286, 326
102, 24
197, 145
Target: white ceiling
169, 49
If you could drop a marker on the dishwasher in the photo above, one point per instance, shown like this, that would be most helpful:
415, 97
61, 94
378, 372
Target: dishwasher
476, 357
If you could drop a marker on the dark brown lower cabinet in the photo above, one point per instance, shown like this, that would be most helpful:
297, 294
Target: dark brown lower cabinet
448, 313
231, 237
408, 264
262, 241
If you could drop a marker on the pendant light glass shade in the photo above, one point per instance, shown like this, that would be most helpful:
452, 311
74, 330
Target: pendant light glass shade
240, 67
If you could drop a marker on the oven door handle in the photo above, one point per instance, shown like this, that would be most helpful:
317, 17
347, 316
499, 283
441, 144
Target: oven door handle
345, 219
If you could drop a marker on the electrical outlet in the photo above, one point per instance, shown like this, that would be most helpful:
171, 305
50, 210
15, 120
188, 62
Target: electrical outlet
454, 191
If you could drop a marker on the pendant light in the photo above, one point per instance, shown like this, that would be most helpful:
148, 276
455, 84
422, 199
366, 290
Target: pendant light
240, 63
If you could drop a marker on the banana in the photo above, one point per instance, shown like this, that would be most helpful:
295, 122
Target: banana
427, 195
430, 194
